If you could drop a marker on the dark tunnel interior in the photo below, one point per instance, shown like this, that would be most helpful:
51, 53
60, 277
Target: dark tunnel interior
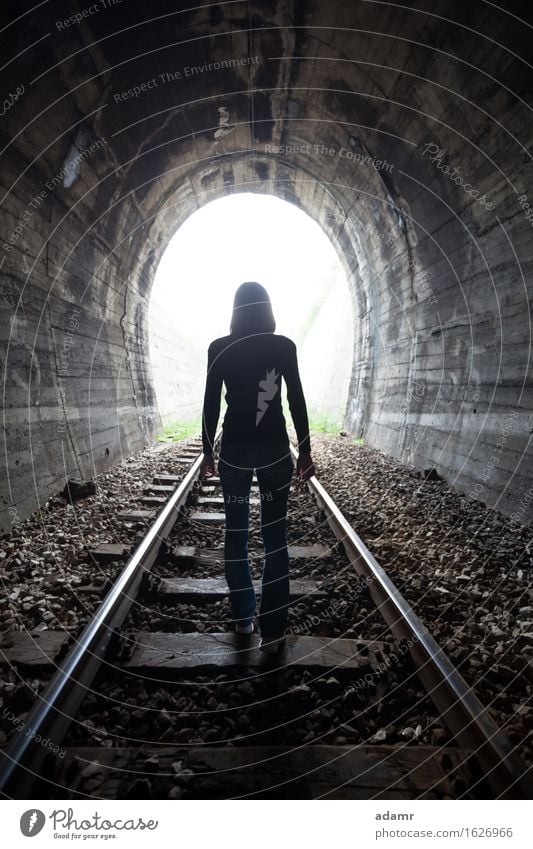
405, 133
355, 621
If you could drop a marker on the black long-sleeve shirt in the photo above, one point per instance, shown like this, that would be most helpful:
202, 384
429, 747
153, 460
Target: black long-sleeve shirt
251, 368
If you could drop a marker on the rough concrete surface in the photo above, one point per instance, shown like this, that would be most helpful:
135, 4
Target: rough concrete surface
117, 125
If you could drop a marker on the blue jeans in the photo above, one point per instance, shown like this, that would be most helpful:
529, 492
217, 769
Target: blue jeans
274, 467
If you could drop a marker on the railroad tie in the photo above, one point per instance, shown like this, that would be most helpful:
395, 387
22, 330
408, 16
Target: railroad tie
309, 772
204, 555
208, 518
158, 652
107, 552
208, 590
159, 489
136, 515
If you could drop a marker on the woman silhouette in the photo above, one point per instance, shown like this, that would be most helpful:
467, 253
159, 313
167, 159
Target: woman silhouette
251, 362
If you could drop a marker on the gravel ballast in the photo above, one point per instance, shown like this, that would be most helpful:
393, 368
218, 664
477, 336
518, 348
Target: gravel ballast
464, 568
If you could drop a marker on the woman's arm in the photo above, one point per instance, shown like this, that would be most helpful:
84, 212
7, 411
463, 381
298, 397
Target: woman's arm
211, 409
298, 408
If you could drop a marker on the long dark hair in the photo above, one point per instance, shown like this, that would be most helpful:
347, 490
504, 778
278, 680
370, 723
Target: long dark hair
252, 311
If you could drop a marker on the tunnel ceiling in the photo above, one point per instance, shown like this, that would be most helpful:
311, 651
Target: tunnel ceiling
405, 132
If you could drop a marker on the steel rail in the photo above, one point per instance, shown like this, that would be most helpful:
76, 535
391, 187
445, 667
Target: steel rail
56, 706
466, 717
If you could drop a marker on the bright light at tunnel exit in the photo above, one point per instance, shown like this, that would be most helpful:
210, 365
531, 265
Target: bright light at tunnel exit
225, 243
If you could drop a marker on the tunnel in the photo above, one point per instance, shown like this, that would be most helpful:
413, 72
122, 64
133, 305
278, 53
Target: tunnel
402, 131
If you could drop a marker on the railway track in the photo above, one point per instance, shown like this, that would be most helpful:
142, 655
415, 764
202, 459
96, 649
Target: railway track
157, 697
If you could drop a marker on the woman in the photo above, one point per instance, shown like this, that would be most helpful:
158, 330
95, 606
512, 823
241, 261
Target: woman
251, 362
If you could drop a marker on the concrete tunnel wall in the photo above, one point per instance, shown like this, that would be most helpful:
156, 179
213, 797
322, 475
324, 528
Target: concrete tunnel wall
332, 107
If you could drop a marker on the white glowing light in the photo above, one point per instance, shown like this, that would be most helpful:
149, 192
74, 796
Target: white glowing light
238, 238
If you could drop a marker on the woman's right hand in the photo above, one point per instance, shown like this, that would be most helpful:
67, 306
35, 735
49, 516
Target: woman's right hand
207, 468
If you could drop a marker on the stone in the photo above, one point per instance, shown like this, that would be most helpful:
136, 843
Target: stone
75, 490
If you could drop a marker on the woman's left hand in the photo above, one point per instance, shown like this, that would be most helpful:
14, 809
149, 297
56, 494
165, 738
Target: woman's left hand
304, 467
207, 469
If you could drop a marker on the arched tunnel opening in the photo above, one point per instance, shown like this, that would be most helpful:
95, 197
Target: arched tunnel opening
370, 164
410, 172
249, 237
